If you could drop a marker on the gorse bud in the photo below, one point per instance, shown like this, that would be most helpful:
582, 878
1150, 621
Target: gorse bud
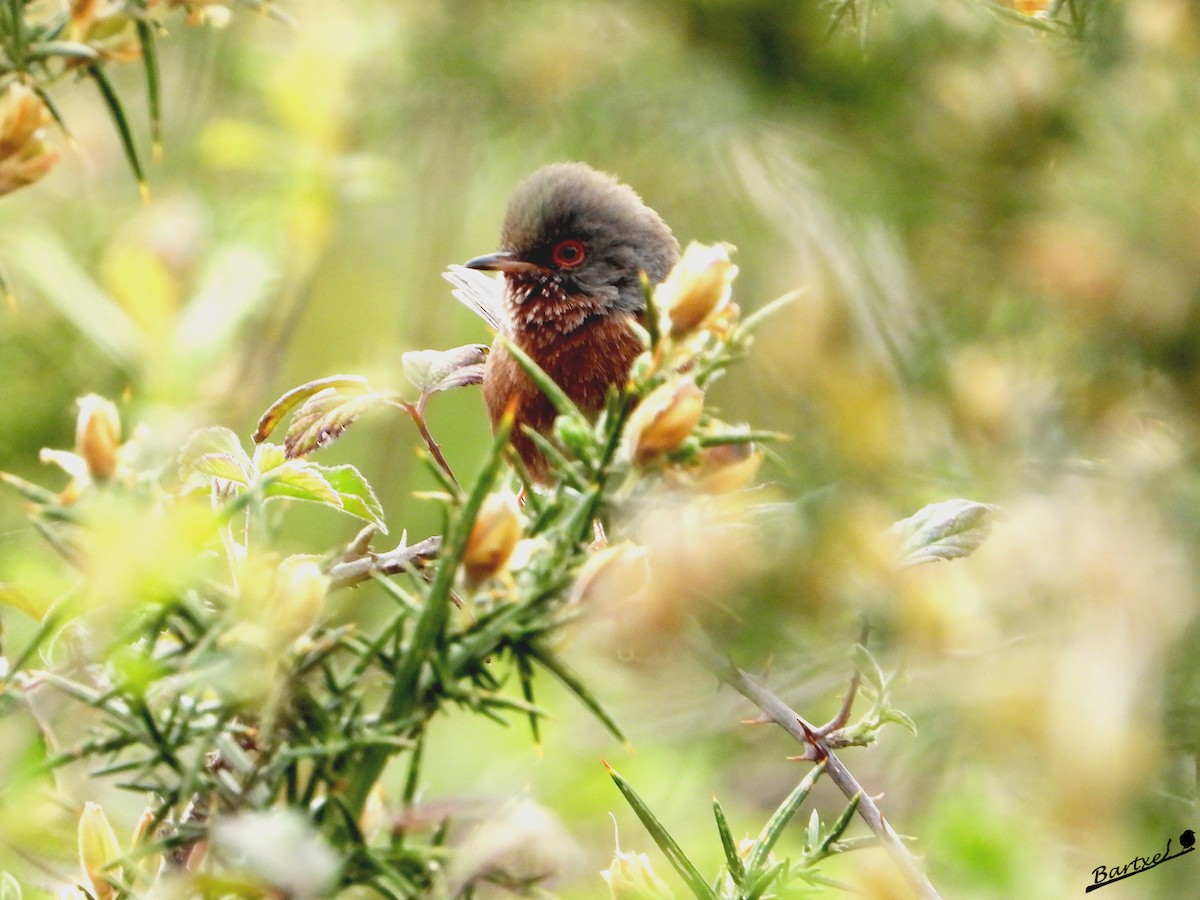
697, 288
98, 849
494, 536
664, 420
98, 436
631, 877
24, 154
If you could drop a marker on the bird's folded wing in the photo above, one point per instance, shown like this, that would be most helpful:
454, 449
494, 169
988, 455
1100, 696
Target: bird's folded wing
480, 293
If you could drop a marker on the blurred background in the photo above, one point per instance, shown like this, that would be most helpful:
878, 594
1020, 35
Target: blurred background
996, 224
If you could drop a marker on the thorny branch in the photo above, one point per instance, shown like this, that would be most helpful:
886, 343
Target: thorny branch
355, 571
819, 747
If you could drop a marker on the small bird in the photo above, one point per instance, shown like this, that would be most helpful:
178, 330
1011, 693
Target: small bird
572, 249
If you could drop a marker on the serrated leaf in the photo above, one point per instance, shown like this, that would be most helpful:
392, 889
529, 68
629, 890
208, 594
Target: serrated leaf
209, 442
951, 529
431, 371
268, 456
322, 419
282, 408
221, 465
358, 498
300, 481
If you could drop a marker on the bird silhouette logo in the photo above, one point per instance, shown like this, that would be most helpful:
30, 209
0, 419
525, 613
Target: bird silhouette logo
1188, 839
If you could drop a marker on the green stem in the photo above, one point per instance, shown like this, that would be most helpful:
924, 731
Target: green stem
404, 697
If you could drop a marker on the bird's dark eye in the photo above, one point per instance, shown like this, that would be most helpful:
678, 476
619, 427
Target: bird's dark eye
568, 254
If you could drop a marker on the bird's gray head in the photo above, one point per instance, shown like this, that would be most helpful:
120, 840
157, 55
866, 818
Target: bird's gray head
577, 237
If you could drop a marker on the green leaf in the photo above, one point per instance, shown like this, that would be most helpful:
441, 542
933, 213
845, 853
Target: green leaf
30, 491
282, 408
865, 663
63, 50
322, 419
221, 465
300, 481
667, 844
117, 111
268, 456
951, 529
839, 826
764, 880
431, 371
358, 498
212, 441
153, 91
572, 682
772, 831
903, 719
733, 859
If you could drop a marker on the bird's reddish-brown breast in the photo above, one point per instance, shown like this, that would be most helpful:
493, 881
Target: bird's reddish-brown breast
584, 361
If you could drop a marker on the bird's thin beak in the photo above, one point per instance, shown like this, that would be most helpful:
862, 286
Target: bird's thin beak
502, 261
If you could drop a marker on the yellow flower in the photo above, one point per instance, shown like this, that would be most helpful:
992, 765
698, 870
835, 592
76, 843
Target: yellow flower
494, 536
98, 436
698, 288
98, 849
24, 154
664, 420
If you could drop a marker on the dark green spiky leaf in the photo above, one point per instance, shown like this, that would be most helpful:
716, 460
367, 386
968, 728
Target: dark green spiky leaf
667, 844
764, 880
572, 682
30, 491
283, 407
153, 91
117, 111
733, 859
772, 831
839, 826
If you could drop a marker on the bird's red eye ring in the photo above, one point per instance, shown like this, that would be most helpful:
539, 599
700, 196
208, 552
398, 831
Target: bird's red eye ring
568, 254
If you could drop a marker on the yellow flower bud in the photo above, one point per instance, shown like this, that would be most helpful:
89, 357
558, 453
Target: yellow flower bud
698, 287
494, 536
664, 419
297, 599
98, 848
618, 572
631, 877
98, 436
725, 468
24, 155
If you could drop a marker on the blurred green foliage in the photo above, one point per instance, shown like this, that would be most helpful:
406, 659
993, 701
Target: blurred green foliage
995, 222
